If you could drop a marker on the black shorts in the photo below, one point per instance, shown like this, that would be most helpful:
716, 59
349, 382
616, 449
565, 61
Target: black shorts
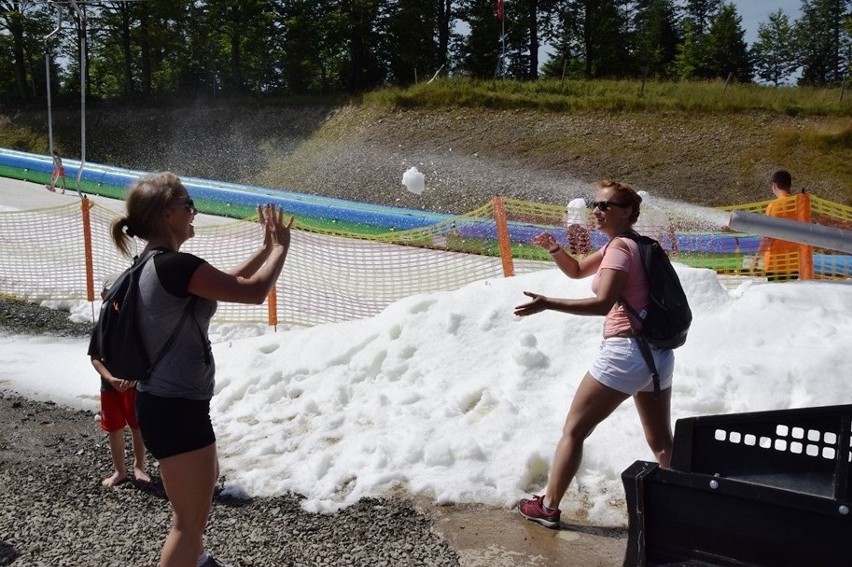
171, 426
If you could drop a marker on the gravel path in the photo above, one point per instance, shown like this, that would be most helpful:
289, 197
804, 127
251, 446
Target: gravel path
54, 511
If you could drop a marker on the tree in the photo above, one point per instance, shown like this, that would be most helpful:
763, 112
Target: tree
446, 18
313, 47
521, 38
480, 48
700, 14
656, 37
418, 38
605, 41
22, 27
162, 41
527, 28
111, 40
727, 49
363, 70
688, 63
12, 22
824, 41
774, 52
242, 30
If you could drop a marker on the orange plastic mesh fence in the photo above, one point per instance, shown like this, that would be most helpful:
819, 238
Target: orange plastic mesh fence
328, 277
333, 276
831, 264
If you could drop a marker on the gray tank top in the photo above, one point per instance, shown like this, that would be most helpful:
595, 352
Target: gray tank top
187, 370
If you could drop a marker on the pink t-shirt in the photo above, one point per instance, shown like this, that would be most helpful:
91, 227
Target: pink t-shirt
635, 291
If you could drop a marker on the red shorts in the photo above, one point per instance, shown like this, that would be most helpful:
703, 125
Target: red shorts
59, 172
118, 409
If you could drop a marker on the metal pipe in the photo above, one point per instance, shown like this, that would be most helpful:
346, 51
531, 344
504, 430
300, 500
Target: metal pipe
794, 231
47, 71
82, 15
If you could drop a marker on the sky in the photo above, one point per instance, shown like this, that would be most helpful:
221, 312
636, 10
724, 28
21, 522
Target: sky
450, 396
756, 12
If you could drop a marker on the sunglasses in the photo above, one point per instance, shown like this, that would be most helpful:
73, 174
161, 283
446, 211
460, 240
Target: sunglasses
190, 206
605, 205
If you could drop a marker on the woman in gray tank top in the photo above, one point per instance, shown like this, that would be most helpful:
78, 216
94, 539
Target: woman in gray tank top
173, 406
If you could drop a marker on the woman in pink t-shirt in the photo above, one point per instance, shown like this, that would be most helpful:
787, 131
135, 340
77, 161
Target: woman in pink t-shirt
619, 371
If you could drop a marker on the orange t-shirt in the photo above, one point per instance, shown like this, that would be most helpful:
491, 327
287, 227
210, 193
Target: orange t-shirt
782, 255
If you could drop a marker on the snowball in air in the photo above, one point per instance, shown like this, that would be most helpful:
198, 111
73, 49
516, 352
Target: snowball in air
414, 181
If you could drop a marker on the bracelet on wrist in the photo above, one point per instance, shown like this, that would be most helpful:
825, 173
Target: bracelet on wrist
555, 250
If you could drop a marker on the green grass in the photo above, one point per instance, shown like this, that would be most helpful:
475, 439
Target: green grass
21, 138
621, 96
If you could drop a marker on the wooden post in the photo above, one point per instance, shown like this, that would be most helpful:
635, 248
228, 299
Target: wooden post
504, 242
806, 252
272, 309
85, 205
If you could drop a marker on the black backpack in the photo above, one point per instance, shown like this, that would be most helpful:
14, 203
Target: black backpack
666, 320
119, 343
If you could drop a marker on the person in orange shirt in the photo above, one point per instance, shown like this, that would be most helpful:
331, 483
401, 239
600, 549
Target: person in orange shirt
780, 257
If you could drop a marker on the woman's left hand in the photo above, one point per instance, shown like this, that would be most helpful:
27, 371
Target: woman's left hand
545, 240
275, 231
538, 304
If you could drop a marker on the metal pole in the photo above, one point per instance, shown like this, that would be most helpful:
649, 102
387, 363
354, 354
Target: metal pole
47, 72
82, 16
792, 231
498, 70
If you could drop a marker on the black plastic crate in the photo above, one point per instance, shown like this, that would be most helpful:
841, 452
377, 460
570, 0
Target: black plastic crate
765, 488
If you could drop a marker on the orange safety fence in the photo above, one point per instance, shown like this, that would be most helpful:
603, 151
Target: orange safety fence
337, 276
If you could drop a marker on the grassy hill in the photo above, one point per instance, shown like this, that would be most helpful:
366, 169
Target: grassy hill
704, 144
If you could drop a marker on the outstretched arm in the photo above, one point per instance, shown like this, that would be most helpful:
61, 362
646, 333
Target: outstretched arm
251, 281
611, 285
609, 289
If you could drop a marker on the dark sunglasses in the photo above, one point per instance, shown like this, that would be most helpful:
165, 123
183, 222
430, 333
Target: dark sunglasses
190, 206
605, 205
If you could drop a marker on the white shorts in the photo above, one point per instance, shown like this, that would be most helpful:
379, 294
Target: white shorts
620, 366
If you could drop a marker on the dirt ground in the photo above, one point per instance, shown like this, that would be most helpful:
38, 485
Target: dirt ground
485, 537
467, 155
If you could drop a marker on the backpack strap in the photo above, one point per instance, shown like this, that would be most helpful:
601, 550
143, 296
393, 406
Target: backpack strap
138, 263
641, 339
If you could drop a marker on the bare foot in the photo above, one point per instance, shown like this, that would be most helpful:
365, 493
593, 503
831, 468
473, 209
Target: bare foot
141, 476
116, 479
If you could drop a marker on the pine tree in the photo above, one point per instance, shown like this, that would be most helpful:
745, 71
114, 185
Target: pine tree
824, 41
774, 52
688, 60
727, 50
656, 37
700, 14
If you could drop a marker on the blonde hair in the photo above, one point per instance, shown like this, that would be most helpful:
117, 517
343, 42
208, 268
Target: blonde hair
146, 199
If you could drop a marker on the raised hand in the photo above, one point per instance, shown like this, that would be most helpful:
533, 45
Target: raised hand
275, 231
545, 240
